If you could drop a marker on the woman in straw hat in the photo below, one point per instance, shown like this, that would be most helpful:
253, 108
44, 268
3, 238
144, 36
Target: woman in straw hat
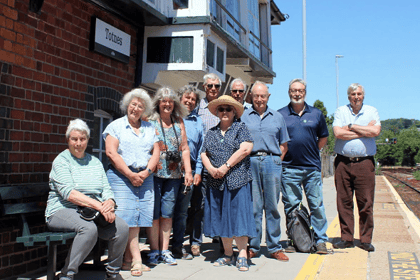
228, 207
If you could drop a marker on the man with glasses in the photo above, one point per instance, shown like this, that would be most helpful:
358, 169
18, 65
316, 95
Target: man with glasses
308, 133
212, 84
355, 127
269, 132
238, 90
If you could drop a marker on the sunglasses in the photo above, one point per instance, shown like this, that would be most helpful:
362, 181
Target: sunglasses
237, 90
222, 109
210, 86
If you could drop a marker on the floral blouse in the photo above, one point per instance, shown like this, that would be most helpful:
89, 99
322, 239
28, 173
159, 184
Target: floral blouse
166, 169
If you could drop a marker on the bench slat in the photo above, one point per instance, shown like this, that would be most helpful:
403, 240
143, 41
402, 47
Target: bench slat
22, 208
46, 237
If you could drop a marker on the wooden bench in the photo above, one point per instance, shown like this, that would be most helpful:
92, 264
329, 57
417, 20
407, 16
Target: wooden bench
24, 200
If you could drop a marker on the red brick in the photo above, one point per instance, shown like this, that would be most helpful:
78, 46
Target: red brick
10, 13
38, 76
22, 72
46, 108
2, 21
37, 137
16, 114
8, 45
38, 96
20, 28
47, 68
29, 63
46, 128
16, 157
16, 136
7, 56
11, 3
9, 24
28, 105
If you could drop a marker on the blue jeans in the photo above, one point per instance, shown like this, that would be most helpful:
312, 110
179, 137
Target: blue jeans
266, 186
292, 181
166, 191
180, 216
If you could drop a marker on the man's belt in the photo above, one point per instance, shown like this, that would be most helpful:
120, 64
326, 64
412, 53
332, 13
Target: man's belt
263, 154
354, 159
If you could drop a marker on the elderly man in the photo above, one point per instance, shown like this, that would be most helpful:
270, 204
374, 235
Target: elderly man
355, 127
269, 132
212, 84
308, 133
238, 90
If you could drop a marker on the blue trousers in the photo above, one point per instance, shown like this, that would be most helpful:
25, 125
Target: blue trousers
266, 186
310, 179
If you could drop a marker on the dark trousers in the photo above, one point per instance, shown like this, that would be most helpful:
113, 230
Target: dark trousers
355, 178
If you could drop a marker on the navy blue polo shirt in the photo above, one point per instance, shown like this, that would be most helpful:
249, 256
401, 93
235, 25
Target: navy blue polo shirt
304, 132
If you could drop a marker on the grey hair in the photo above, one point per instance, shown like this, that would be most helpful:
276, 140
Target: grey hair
79, 125
354, 87
301, 81
189, 89
140, 94
211, 76
167, 92
238, 80
258, 83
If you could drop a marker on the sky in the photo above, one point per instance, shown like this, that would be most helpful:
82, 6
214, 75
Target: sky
380, 42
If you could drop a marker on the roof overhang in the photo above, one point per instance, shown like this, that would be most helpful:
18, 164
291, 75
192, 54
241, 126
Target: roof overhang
276, 15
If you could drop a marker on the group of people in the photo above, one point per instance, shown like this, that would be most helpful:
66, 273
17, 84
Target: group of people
217, 160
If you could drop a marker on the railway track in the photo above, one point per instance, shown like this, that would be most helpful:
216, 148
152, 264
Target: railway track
406, 186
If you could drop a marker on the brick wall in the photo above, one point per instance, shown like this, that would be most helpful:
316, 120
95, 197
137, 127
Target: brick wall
46, 78
46, 69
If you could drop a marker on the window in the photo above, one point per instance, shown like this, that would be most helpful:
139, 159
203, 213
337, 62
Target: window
232, 27
180, 4
254, 28
101, 120
221, 15
215, 57
210, 53
170, 49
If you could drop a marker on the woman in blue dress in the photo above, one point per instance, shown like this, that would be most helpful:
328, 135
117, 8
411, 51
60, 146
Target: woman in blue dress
228, 209
132, 148
174, 164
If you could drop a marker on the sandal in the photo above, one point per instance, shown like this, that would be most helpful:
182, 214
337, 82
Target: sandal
127, 266
224, 260
136, 268
242, 264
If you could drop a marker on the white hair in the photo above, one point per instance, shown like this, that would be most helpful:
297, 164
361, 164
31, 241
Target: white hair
78, 125
238, 80
211, 76
140, 94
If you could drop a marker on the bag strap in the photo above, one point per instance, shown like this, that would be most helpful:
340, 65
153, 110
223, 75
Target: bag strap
163, 132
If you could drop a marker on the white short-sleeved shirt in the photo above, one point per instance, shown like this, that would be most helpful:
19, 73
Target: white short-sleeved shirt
359, 147
134, 149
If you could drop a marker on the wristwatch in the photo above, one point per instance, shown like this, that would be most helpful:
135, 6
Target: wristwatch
228, 165
149, 170
350, 125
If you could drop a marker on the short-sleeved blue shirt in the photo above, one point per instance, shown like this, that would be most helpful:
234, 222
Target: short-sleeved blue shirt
268, 132
220, 148
195, 135
134, 149
304, 132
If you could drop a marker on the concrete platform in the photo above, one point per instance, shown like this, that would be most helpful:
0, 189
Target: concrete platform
396, 239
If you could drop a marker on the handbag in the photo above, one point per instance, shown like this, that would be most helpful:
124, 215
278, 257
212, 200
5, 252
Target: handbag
90, 214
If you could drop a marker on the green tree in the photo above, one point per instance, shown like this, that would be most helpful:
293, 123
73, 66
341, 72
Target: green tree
408, 146
329, 147
386, 151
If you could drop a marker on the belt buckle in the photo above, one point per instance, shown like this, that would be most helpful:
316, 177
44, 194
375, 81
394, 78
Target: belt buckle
263, 154
353, 159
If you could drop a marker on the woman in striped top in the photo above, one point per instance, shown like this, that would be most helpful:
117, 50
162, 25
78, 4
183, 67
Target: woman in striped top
78, 179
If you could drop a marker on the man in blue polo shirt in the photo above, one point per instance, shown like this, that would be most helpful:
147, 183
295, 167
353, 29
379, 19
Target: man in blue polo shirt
269, 132
302, 164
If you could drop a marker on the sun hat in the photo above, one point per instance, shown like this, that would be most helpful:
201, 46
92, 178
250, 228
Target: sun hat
226, 100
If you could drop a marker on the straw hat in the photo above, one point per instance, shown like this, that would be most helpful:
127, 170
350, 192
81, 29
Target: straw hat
226, 100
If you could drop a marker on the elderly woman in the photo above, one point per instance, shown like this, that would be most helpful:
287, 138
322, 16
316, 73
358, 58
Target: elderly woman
132, 148
174, 163
190, 98
78, 179
228, 209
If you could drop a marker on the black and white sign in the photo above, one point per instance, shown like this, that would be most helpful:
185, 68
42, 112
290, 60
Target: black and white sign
109, 41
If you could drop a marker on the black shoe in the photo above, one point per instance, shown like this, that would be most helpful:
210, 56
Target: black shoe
367, 247
321, 248
343, 244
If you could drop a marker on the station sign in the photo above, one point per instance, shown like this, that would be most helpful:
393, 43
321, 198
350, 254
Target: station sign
109, 40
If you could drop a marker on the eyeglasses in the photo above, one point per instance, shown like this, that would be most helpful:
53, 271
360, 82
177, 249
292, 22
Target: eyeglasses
137, 105
298, 90
237, 90
210, 86
222, 109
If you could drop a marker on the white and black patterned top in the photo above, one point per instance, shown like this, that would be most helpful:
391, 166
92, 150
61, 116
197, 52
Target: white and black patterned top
220, 148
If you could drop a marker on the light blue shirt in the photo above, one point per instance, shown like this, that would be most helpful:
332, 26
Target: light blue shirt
359, 147
134, 149
194, 128
268, 132
208, 118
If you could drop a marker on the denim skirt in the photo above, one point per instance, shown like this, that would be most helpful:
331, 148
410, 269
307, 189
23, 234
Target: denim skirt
135, 204
229, 213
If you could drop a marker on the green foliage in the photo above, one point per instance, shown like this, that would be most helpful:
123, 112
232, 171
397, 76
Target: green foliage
416, 175
329, 147
405, 152
396, 125
320, 105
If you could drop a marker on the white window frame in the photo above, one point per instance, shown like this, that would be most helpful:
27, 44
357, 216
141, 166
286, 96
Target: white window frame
102, 115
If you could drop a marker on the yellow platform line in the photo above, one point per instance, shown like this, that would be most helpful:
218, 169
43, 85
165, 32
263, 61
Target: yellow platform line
314, 262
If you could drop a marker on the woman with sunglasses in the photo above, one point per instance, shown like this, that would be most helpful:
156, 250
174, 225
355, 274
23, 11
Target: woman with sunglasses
174, 164
228, 212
